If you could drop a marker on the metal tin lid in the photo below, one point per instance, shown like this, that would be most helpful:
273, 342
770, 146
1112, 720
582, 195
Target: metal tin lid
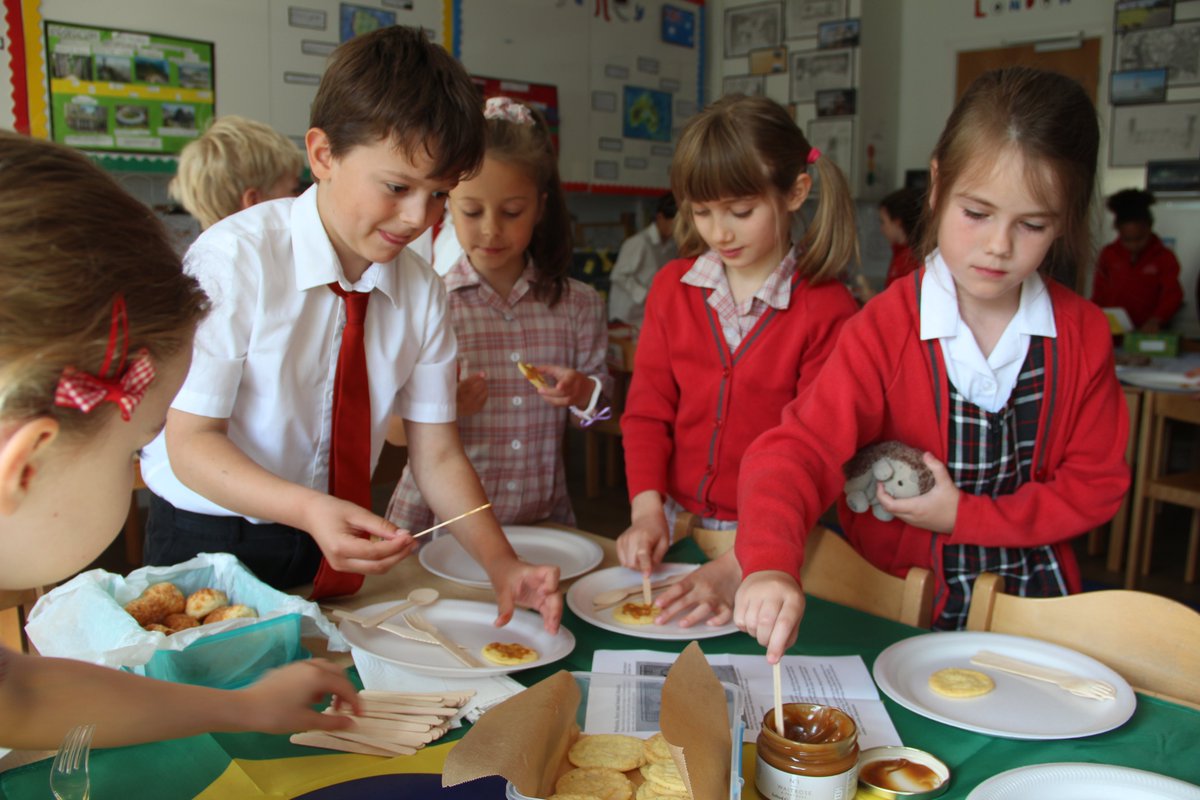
894, 781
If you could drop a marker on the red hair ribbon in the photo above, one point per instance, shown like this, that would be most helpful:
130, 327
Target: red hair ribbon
124, 385
813, 155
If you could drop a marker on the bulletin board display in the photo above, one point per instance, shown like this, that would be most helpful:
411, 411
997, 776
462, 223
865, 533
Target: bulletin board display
628, 77
127, 91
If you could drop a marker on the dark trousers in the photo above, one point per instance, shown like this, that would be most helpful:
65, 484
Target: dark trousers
279, 555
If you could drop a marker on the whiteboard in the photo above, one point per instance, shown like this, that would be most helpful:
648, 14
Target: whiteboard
623, 92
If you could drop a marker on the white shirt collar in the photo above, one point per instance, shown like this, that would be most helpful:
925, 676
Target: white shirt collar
940, 317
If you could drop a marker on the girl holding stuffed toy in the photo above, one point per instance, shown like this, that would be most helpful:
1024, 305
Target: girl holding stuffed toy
96, 324
1002, 376
733, 331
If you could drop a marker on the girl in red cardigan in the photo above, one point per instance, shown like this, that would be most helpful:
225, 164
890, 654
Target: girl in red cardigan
733, 330
1137, 272
899, 214
1005, 380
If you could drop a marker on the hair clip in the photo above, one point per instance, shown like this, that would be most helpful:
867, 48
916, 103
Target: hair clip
125, 386
507, 109
813, 155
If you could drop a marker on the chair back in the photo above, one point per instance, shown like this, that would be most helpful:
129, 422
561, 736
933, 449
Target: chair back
712, 543
1151, 641
834, 570
14, 608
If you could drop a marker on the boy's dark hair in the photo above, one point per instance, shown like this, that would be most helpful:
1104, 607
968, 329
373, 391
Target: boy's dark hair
666, 206
904, 206
395, 84
1131, 205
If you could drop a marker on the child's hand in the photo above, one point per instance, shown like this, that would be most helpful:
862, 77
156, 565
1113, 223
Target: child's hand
935, 510
571, 387
708, 592
768, 606
531, 586
281, 701
472, 394
645, 542
335, 525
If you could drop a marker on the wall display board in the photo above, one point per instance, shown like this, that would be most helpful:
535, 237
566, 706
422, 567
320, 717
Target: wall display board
1163, 131
116, 90
626, 79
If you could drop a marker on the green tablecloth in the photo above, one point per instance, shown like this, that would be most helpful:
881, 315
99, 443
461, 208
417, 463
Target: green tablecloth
1161, 737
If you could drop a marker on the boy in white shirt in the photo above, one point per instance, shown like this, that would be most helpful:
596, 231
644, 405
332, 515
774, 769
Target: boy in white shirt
638, 261
395, 124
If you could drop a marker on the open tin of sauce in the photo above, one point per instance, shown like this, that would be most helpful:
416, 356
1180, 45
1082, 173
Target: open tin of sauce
902, 773
814, 758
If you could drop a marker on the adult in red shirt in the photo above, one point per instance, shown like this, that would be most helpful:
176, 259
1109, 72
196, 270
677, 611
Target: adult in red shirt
1137, 272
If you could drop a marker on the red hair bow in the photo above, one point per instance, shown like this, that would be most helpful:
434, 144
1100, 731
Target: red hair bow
125, 386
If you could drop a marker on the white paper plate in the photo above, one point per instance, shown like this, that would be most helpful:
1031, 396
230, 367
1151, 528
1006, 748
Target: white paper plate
1082, 782
1018, 708
579, 600
468, 624
571, 553
1161, 380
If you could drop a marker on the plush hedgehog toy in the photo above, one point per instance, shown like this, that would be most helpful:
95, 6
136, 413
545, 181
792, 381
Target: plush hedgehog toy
899, 468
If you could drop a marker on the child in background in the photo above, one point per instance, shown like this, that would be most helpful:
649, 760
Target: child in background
734, 330
255, 434
1137, 272
96, 323
1004, 378
640, 258
235, 164
512, 302
899, 214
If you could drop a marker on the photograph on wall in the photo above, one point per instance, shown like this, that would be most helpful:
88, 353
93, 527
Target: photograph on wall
647, 114
768, 61
1176, 48
835, 139
1134, 14
801, 17
814, 70
678, 26
1162, 132
837, 102
127, 91
355, 20
1173, 177
750, 85
1138, 86
752, 27
842, 33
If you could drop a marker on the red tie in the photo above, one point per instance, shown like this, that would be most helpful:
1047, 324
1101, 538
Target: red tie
350, 439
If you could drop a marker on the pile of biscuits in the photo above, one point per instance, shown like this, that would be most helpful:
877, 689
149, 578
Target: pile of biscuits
611, 766
164, 608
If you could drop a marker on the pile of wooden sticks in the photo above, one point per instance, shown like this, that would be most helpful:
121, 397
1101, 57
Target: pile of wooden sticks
391, 723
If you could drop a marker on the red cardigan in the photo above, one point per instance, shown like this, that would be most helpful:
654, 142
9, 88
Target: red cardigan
1148, 287
903, 263
881, 383
693, 407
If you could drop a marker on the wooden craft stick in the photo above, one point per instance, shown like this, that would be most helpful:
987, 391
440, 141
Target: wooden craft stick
646, 595
452, 519
401, 724
776, 676
324, 740
383, 743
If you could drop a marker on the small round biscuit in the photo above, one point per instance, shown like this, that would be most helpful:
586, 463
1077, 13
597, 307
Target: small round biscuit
959, 683
610, 750
154, 626
509, 653
664, 777
650, 791
598, 782
180, 622
203, 602
655, 750
155, 603
557, 796
236, 611
636, 613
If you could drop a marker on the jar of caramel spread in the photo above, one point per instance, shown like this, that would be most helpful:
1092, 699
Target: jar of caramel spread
815, 758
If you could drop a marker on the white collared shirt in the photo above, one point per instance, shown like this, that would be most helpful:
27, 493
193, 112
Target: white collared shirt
986, 382
266, 355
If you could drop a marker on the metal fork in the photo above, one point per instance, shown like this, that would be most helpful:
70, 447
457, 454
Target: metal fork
417, 621
69, 773
1075, 684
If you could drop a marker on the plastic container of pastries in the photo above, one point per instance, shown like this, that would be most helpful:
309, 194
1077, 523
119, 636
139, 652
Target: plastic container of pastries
644, 692
901, 773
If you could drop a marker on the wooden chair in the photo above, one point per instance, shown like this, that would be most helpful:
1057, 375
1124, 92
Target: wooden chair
14, 609
833, 570
1151, 641
1153, 484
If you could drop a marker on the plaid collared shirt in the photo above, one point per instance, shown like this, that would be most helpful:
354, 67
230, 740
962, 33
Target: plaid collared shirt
992, 454
515, 442
737, 319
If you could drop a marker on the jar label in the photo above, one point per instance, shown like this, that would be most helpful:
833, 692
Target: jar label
776, 784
